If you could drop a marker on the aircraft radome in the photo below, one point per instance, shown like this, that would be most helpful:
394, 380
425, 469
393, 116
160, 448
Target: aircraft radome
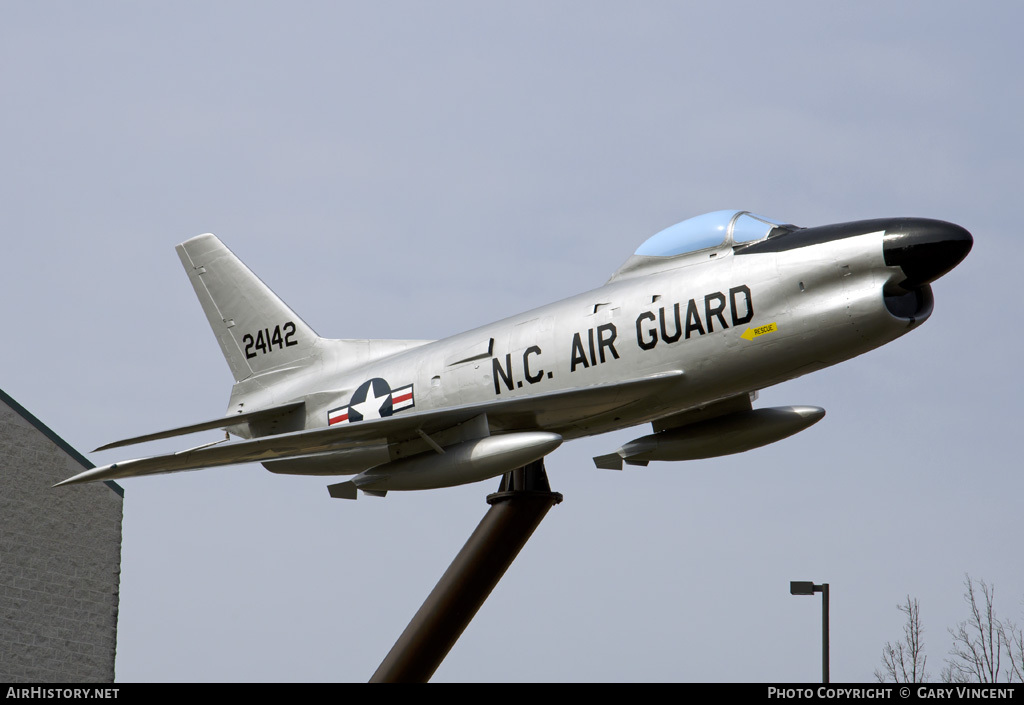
682, 336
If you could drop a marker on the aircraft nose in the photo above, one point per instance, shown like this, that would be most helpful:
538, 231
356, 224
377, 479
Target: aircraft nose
925, 249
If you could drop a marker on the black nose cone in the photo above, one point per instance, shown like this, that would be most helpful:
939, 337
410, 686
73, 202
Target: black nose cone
924, 249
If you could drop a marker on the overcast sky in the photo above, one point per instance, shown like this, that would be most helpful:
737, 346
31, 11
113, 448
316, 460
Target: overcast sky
412, 170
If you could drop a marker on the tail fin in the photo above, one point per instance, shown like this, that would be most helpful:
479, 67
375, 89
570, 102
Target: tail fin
255, 329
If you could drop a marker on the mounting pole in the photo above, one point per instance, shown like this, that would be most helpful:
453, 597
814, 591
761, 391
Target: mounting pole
517, 508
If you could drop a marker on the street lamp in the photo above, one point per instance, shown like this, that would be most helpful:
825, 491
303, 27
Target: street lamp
806, 587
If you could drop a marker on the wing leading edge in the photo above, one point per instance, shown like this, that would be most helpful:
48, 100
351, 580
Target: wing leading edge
550, 411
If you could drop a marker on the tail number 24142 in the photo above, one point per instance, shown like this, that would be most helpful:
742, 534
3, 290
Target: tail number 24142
265, 341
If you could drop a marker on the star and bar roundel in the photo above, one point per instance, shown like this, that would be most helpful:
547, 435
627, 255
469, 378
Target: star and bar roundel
373, 399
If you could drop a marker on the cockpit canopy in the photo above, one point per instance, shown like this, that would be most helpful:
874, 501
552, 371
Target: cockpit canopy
711, 230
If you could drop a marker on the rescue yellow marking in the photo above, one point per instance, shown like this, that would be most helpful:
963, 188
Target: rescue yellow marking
751, 333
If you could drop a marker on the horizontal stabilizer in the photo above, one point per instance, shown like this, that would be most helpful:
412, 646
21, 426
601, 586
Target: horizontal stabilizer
263, 415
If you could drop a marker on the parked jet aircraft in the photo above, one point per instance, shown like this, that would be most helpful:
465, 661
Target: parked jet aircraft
682, 336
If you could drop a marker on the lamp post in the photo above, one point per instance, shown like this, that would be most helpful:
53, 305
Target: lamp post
806, 587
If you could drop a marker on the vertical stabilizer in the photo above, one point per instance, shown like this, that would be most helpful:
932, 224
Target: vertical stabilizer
256, 330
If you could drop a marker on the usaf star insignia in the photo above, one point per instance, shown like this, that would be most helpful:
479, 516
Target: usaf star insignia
373, 399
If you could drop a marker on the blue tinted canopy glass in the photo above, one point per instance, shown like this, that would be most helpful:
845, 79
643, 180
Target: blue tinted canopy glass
749, 227
708, 230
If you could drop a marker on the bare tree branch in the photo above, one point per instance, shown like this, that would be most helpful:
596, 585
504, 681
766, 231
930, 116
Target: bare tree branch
983, 645
905, 662
1014, 642
978, 643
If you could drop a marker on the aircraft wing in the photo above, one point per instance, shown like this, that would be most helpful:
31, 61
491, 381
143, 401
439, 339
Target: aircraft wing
551, 411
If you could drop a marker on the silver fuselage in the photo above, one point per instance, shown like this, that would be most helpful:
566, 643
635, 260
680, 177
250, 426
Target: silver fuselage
704, 314
801, 309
